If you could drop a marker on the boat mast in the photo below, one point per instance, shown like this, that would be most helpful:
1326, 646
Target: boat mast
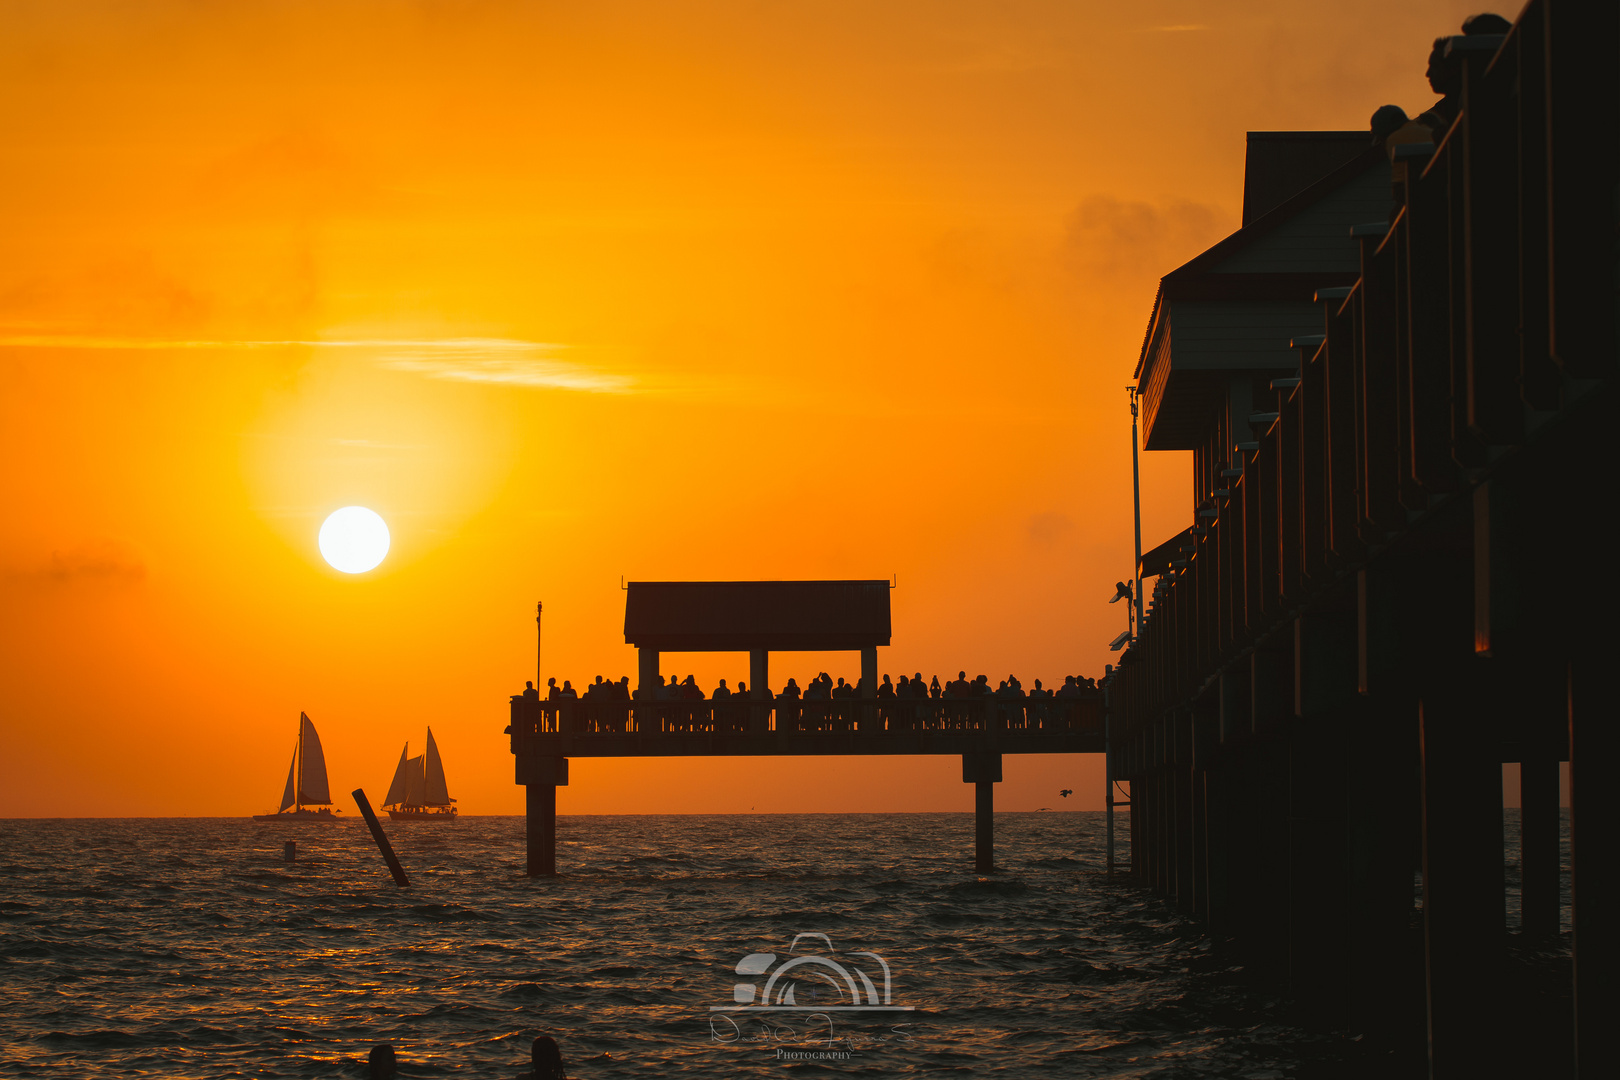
298, 773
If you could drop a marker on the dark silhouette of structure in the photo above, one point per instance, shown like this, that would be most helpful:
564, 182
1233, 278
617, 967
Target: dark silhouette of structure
1398, 387
758, 617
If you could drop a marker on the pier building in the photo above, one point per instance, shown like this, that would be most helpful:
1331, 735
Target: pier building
1397, 384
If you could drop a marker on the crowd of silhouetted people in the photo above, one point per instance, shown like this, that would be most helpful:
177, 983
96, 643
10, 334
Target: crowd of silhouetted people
824, 704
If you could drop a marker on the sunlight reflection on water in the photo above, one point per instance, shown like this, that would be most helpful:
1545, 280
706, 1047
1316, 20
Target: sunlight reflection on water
187, 947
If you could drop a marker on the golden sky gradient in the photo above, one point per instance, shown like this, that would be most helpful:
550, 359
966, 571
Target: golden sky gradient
573, 291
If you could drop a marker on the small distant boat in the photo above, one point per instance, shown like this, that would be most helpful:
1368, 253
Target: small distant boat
418, 792
307, 797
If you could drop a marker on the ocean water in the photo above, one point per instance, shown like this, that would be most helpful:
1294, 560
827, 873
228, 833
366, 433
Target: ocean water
188, 948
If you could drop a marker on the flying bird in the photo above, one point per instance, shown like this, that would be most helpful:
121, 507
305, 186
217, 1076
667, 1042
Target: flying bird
1066, 792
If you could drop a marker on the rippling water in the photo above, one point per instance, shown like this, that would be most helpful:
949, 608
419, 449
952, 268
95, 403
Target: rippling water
187, 947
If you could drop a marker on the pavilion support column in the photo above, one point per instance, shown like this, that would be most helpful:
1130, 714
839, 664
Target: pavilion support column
983, 771
542, 777
647, 668
759, 686
869, 684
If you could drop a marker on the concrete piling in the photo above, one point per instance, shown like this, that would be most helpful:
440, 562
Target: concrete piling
983, 771
541, 777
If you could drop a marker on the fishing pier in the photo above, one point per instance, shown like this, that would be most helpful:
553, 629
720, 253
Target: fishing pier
1397, 382
759, 618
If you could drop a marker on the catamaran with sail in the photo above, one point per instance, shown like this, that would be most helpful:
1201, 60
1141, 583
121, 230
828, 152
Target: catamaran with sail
307, 797
418, 792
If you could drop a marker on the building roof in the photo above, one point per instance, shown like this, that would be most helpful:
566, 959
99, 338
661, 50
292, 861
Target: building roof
1280, 164
740, 616
1234, 308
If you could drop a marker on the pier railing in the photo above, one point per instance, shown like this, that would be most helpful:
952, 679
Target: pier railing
874, 717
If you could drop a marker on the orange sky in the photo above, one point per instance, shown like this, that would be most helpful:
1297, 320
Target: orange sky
565, 292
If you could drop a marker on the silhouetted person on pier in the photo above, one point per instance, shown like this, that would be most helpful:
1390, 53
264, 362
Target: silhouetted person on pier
787, 707
545, 1061
934, 690
530, 693
1445, 74
551, 689
380, 1065
1386, 121
720, 690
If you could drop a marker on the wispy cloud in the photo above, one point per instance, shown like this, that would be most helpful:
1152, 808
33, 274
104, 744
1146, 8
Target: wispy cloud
501, 361
497, 360
1179, 28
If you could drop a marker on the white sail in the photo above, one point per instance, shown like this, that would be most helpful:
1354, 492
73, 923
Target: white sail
311, 766
290, 796
396, 789
438, 793
414, 781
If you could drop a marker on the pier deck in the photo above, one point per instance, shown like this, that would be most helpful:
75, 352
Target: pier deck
545, 734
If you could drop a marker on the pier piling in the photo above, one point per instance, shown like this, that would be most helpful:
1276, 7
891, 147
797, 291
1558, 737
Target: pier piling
541, 777
983, 771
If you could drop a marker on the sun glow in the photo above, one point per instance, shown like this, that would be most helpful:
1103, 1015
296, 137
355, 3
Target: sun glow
354, 539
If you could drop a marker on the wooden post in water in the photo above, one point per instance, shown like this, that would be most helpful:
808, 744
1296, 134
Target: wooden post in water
378, 835
289, 851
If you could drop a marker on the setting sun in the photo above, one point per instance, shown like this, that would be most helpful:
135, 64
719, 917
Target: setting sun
354, 540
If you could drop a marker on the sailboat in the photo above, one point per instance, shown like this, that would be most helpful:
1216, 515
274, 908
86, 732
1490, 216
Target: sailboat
418, 792
306, 781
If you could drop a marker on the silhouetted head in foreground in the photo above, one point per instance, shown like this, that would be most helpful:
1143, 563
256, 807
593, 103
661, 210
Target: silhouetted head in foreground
1485, 23
546, 1060
1387, 121
1444, 73
380, 1064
